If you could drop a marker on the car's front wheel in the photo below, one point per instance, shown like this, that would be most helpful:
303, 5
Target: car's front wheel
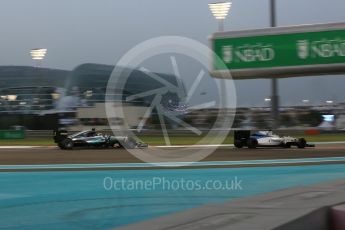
287, 145
68, 144
128, 145
302, 143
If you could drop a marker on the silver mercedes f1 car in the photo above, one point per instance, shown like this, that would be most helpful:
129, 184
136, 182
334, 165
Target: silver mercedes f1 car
90, 138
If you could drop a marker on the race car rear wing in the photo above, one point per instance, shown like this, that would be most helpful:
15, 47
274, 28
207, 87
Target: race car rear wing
59, 135
241, 135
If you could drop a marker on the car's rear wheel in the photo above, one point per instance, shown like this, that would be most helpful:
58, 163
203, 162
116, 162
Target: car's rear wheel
302, 143
238, 144
252, 143
68, 144
61, 146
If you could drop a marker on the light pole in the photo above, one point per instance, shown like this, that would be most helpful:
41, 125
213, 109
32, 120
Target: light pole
38, 55
305, 102
274, 81
220, 10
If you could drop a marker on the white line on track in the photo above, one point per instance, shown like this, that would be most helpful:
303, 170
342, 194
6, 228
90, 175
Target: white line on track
193, 146
328, 142
19, 147
174, 164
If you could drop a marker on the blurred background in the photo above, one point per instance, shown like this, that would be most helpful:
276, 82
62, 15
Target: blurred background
57, 57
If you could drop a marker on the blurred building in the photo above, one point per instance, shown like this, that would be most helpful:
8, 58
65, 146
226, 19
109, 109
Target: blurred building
40, 98
29, 94
29, 90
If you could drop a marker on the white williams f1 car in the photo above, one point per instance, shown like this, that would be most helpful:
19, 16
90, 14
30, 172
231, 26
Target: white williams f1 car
244, 138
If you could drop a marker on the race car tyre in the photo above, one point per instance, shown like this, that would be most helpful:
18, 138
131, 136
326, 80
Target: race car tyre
238, 144
252, 143
142, 145
130, 145
104, 146
127, 145
68, 144
302, 143
61, 146
287, 145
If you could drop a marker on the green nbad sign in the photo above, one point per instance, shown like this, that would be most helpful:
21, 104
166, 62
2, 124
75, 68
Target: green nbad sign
12, 134
290, 51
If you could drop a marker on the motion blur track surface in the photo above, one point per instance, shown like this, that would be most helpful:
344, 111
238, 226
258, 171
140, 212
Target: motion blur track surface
53, 155
78, 200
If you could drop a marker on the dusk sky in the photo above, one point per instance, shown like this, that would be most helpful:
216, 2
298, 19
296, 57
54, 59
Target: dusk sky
101, 31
